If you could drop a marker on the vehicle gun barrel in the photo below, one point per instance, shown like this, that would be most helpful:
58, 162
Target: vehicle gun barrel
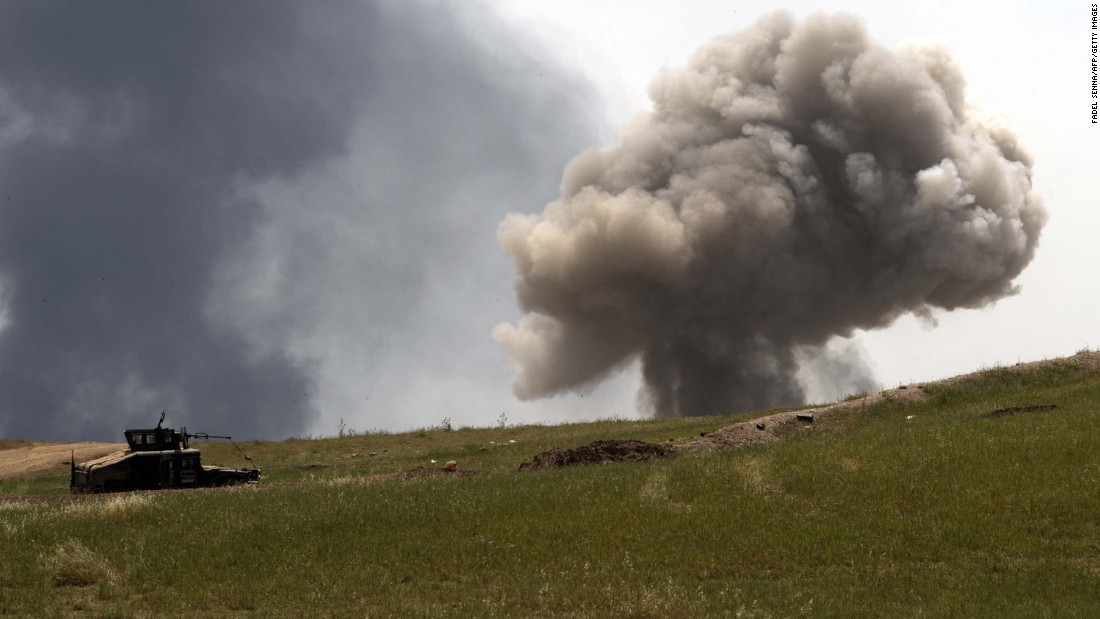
204, 436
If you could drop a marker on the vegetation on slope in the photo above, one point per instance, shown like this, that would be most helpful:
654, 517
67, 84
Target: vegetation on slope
905, 506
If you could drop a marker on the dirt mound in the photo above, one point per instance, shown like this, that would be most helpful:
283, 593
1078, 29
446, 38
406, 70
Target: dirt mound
313, 466
778, 426
1012, 410
597, 452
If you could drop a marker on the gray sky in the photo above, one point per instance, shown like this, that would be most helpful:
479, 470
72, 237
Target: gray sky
267, 218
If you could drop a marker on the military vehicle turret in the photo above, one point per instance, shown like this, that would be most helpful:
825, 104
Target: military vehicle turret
157, 458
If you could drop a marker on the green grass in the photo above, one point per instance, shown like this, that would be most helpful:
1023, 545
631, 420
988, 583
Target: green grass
908, 509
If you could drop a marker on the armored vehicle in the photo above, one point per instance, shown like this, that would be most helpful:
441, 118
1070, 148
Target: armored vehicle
156, 458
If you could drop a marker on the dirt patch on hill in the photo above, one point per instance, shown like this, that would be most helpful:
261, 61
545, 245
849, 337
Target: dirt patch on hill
42, 456
598, 452
1012, 410
313, 466
776, 427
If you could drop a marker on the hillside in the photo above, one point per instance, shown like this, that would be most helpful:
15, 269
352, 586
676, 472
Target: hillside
21, 458
970, 496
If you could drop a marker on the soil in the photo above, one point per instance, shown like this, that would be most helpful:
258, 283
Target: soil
31, 457
313, 466
1012, 410
598, 452
779, 426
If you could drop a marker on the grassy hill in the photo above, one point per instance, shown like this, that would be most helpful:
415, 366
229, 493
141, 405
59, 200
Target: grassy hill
968, 497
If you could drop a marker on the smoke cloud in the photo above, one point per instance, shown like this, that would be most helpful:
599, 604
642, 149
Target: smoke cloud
794, 182
261, 217
129, 134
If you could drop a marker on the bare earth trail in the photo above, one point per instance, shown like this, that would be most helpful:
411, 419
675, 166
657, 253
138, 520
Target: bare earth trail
779, 426
39, 456
776, 427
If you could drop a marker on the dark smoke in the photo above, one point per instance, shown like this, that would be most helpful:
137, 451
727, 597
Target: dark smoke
795, 182
232, 211
381, 267
129, 129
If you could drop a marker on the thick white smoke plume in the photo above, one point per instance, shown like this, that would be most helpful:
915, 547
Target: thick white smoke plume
796, 181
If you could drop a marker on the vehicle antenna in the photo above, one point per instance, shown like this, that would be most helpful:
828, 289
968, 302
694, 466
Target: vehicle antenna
246, 456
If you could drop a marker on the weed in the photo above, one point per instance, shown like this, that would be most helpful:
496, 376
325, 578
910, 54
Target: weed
72, 564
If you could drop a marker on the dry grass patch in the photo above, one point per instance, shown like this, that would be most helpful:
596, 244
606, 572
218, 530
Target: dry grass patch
759, 478
116, 507
655, 487
17, 503
72, 564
